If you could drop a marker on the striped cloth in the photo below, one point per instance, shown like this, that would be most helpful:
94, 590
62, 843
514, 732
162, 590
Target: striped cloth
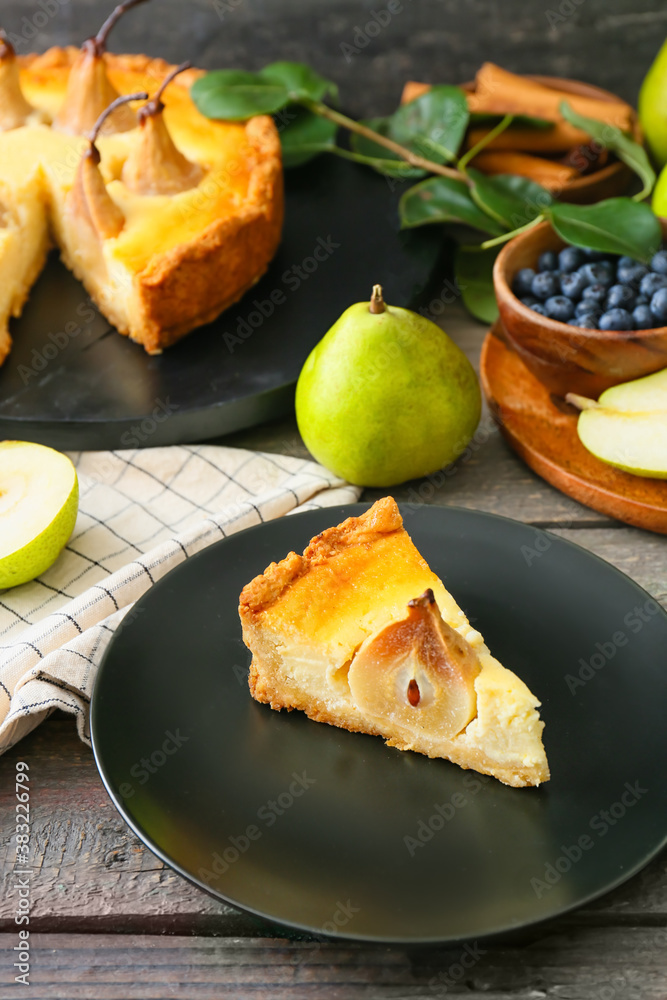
141, 513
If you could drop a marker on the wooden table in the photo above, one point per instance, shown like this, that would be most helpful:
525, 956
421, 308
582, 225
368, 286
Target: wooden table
109, 920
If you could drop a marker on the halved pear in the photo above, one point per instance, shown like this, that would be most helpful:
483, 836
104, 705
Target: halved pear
39, 500
89, 206
418, 673
155, 166
89, 89
14, 109
627, 426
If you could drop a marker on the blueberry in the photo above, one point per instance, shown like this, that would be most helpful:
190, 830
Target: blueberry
659, 262
625, 261
659, 306
523, 279
547, 261
616, 319
589, 321
545, 285
642, 300
598, 273
559, 307
651, 283
539, 308
572, 284
630, 274
620, 296
595, 293
588, 307
570, 258
643, 317
529, 300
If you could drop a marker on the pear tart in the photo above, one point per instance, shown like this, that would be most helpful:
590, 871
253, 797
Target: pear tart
359, 633
171, 219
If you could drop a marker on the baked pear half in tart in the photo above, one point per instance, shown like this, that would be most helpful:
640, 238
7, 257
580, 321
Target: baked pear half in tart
167, 218
358, 632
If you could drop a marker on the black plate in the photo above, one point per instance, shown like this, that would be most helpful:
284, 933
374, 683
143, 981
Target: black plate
72, 382
586, 639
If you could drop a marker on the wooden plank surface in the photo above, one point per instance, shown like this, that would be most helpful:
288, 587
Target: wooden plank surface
589, 963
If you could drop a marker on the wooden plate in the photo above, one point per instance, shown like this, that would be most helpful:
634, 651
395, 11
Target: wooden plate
543, 431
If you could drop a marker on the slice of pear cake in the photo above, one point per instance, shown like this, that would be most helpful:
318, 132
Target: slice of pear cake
358, 632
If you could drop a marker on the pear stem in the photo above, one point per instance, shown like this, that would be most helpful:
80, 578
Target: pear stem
581, 402
123, 99
99, 42
377, 302
155, 105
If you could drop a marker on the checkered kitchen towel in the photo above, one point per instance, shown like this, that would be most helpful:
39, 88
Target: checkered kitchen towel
140, 514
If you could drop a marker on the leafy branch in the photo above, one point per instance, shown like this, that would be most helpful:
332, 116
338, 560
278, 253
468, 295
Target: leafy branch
422, 140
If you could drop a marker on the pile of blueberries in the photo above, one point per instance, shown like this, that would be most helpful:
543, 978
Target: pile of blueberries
599, 291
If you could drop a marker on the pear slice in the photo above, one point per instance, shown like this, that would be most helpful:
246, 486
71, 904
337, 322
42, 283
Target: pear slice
640, 396
155, 165
417, 673
39, 498
627, 426
14, 109
89, 89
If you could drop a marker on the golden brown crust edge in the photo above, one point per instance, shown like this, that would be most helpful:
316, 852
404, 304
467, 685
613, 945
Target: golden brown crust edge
194, 283
382, 518
224, 261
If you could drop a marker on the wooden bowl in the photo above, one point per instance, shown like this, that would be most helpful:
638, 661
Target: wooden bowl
569, 358
544, 434
610, 181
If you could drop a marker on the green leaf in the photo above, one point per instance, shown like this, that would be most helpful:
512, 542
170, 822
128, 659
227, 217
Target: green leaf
443, 199
614, 139
617, 225
512, 201
389, 163
235, 96
474, 276
522, 121
304, 135
433, 125
299, 80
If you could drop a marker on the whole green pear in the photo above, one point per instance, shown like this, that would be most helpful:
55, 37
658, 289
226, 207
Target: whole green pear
653, 108
386, 396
